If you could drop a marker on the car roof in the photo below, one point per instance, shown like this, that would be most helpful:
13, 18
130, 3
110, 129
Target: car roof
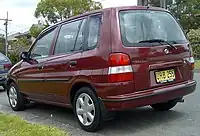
102, 10
140, 8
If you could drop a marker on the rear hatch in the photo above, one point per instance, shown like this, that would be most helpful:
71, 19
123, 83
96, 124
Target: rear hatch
158, 49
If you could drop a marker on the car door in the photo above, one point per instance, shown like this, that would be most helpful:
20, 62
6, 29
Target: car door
31, 74
64, 67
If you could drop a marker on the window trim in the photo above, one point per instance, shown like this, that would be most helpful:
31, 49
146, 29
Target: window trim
84, 37
41, 35
59, 29
86, 47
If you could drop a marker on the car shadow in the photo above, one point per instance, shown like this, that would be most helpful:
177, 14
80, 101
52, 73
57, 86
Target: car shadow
139, 119
125, 122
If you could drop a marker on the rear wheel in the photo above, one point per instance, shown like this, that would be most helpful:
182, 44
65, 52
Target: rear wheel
164, 106
87, 109
16, 99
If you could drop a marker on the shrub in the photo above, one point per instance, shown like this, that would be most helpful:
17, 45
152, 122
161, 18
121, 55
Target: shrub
18, 46
14, 57
194, 37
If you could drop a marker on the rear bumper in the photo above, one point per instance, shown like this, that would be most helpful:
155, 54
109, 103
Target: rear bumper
3, 82
149, 97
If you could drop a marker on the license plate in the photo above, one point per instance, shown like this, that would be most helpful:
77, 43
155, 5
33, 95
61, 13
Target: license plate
165, 76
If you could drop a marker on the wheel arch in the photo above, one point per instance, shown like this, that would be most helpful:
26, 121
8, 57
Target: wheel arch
77, 85
9, 81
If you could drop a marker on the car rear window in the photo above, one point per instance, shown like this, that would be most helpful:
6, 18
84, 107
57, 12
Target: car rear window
2, 57
142, 25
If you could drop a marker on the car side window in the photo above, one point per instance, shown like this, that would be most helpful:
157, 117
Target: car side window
67, 37
42, 46
94, 30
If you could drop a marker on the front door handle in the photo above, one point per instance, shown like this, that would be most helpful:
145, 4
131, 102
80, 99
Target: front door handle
72, 63
40, 67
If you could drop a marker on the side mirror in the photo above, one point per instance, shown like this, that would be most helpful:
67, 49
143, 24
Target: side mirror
24, 56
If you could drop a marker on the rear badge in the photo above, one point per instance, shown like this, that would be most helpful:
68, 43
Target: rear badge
166, 51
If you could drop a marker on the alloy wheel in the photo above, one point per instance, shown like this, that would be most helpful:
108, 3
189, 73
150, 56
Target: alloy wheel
85, 109
13, 96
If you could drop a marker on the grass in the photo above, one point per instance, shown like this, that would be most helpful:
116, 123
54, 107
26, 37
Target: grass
15, 126
197, 64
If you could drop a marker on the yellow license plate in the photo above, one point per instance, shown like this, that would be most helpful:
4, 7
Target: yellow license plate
165, 76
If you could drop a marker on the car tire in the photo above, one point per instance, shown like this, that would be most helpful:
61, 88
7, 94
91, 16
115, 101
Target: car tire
16, 99
164, 106
87, 110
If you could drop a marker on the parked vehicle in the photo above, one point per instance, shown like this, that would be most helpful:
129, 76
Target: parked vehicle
105, 61
5, 65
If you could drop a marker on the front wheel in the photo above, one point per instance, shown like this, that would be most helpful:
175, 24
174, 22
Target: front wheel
87, 109
164, 106
16, 99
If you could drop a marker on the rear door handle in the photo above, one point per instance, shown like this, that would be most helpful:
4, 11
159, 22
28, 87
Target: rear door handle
40, 67
72, 63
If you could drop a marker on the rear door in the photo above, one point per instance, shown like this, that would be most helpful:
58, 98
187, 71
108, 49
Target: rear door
64, 66
154, 63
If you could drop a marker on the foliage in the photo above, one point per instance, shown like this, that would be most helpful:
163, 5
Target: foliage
18, 46
2, 44
156, 3
186, 11
14, 58
21, 44
197, 64
35, 30
194, 38
53, 11
15, 126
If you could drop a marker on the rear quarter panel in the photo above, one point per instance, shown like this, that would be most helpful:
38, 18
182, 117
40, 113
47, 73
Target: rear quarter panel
94, 63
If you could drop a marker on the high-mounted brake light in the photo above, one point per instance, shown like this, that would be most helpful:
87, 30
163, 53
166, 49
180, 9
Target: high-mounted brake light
120, 68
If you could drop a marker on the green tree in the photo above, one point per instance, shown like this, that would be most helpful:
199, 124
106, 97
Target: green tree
2, 44
156, 3
187, 12
21, 44
194, 38
35, 30
53, 11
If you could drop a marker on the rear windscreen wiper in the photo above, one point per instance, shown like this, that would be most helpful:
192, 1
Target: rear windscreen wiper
158, 41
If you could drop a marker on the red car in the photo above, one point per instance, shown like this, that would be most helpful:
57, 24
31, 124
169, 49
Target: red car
104, 61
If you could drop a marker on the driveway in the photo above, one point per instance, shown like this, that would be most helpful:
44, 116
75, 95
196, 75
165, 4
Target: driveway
183, 120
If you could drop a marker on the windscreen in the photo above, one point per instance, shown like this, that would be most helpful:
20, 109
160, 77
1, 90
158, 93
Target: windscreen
142, 25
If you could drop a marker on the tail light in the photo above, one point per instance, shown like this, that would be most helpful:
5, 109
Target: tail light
191, 59
191, 62
120, 68
7, 66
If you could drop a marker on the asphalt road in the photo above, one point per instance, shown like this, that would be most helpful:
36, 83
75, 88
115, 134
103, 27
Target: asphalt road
183, 120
